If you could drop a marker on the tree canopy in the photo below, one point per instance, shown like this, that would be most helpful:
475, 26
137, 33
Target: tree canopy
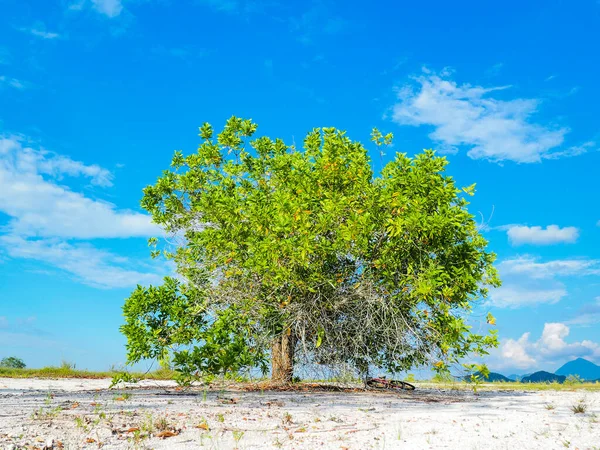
305, 255
12, 362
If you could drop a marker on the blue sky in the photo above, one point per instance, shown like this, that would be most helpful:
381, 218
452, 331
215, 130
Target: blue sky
95, 95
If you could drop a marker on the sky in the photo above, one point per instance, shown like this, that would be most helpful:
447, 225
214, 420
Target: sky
95, 95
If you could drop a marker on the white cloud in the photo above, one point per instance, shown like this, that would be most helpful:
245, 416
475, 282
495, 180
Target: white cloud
548, 352
12, 82
467, 115
515, 296
528, 282
88, 264
552, 234
110, 8
40, 31
588, 315
515, 352
45, 216
530, 267
40, 206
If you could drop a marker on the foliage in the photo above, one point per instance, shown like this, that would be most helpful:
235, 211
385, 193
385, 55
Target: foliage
175, 315
12, 362
573, 379
272, 240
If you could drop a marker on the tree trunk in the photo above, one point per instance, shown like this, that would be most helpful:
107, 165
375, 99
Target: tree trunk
282, 358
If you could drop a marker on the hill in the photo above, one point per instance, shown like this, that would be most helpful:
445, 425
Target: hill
517, 377
543, 377
583, 368
492, 378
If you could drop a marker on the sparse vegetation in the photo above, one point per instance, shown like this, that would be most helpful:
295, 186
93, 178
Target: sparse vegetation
580, 407
70, 372
287, 418
573, 380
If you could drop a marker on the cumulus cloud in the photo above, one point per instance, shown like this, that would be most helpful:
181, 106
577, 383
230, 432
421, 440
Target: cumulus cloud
515, 352
548, 352
473, 117
30, 193
552, 234
528, 282
46, 216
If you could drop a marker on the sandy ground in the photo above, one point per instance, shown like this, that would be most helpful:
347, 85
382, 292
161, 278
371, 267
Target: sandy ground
79, 413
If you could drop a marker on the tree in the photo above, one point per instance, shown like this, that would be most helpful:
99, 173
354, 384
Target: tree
313, 256
12, 362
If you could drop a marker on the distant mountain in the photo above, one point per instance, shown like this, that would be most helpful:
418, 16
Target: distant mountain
517, 377
543, 377
583, 368
492, 378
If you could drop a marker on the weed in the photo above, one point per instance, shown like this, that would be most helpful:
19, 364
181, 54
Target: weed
79, 423
148, 424
237, 436
399, 436
161, 424
122, 397
579, 408
287, 418
549, 406
45, 414
49, 397
220, 418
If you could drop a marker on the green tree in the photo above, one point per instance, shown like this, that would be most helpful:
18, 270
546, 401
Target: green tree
314, 257
12, 362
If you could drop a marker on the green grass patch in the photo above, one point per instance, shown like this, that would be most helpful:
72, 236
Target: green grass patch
70, 372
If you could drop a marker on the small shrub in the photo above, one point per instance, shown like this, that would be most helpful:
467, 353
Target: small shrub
579, 408
67, 366
573, 379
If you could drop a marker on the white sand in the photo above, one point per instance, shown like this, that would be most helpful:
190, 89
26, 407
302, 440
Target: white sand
85, 413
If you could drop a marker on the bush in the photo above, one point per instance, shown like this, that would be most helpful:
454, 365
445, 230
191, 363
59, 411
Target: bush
573, 379
12, 362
